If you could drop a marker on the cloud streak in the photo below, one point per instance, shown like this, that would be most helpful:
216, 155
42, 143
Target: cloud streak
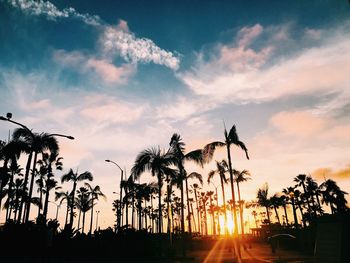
116, 40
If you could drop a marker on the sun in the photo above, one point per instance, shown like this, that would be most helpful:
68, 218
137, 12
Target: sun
229, 226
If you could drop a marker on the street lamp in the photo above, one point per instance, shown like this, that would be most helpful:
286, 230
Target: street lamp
120, 217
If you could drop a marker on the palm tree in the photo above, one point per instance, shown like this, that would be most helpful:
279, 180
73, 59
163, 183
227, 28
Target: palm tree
221, 168
10, 151
75, 178
84, 204
263, 199
195, 189
38, 143
209, 149
193, 175
64, 196
284, 201
289, 191
157, 162
333, 196
275, 204
301, 180
178, 149
95, 193
240, 177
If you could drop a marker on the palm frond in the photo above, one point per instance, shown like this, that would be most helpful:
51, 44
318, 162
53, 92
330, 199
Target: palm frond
198, 176
196, 156
209, 149
68, 176
85, 176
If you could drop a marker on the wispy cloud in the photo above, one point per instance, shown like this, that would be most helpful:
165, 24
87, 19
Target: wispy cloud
116, 40
335, 174
49, 10
239, 73
106, 70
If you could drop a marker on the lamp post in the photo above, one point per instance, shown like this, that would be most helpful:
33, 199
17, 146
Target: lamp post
27, 207
97, 213
121, 193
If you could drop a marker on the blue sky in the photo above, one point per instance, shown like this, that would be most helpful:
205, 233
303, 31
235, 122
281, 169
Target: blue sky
121, 76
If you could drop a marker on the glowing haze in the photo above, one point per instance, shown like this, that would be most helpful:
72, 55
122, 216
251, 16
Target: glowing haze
121, 76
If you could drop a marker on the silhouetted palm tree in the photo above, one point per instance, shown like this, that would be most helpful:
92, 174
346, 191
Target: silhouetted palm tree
75, 178
284, 201
289, 191
84, 204
195, 189
95, 193
67, 197
178, 149
157, 162
275, 204
301, 181
263, 199
193, 175
333, 196
240, 177
221, 168
209, 149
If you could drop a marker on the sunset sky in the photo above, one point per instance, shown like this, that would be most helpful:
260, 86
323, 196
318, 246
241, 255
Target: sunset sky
121, 76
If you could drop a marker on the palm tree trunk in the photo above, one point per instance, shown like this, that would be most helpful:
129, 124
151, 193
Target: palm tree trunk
194, 220
213, 216
46, 203
83, 222
28, 204
9, 208
152, 214
168, 191
71, 218
232, 188
268, 214
188, 209
133, 208
240, 209
294, 213
40, 200
276, 213
92, 214
66, 221
205, 218
79, 219
224, 203
285, 214
25, 182
159, 204
126, 207
198, 212
182, 200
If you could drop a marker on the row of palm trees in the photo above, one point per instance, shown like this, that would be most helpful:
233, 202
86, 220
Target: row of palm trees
17, 185
306, 197
168, 166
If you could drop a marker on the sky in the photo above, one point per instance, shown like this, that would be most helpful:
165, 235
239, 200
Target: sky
122, 76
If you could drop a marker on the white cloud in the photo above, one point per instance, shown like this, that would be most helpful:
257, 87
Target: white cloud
118, 40
48, 9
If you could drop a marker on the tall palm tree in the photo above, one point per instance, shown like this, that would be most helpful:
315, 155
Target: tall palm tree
221, 168
289, 192
240, 177
39, 143
75, 178
95, 193
84, 204
275, 204
193, 175
64, 197
9, 152
333, 196
301, 181
263, 199
178, 149
284, 201
157, 162
195, 189
231, 138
